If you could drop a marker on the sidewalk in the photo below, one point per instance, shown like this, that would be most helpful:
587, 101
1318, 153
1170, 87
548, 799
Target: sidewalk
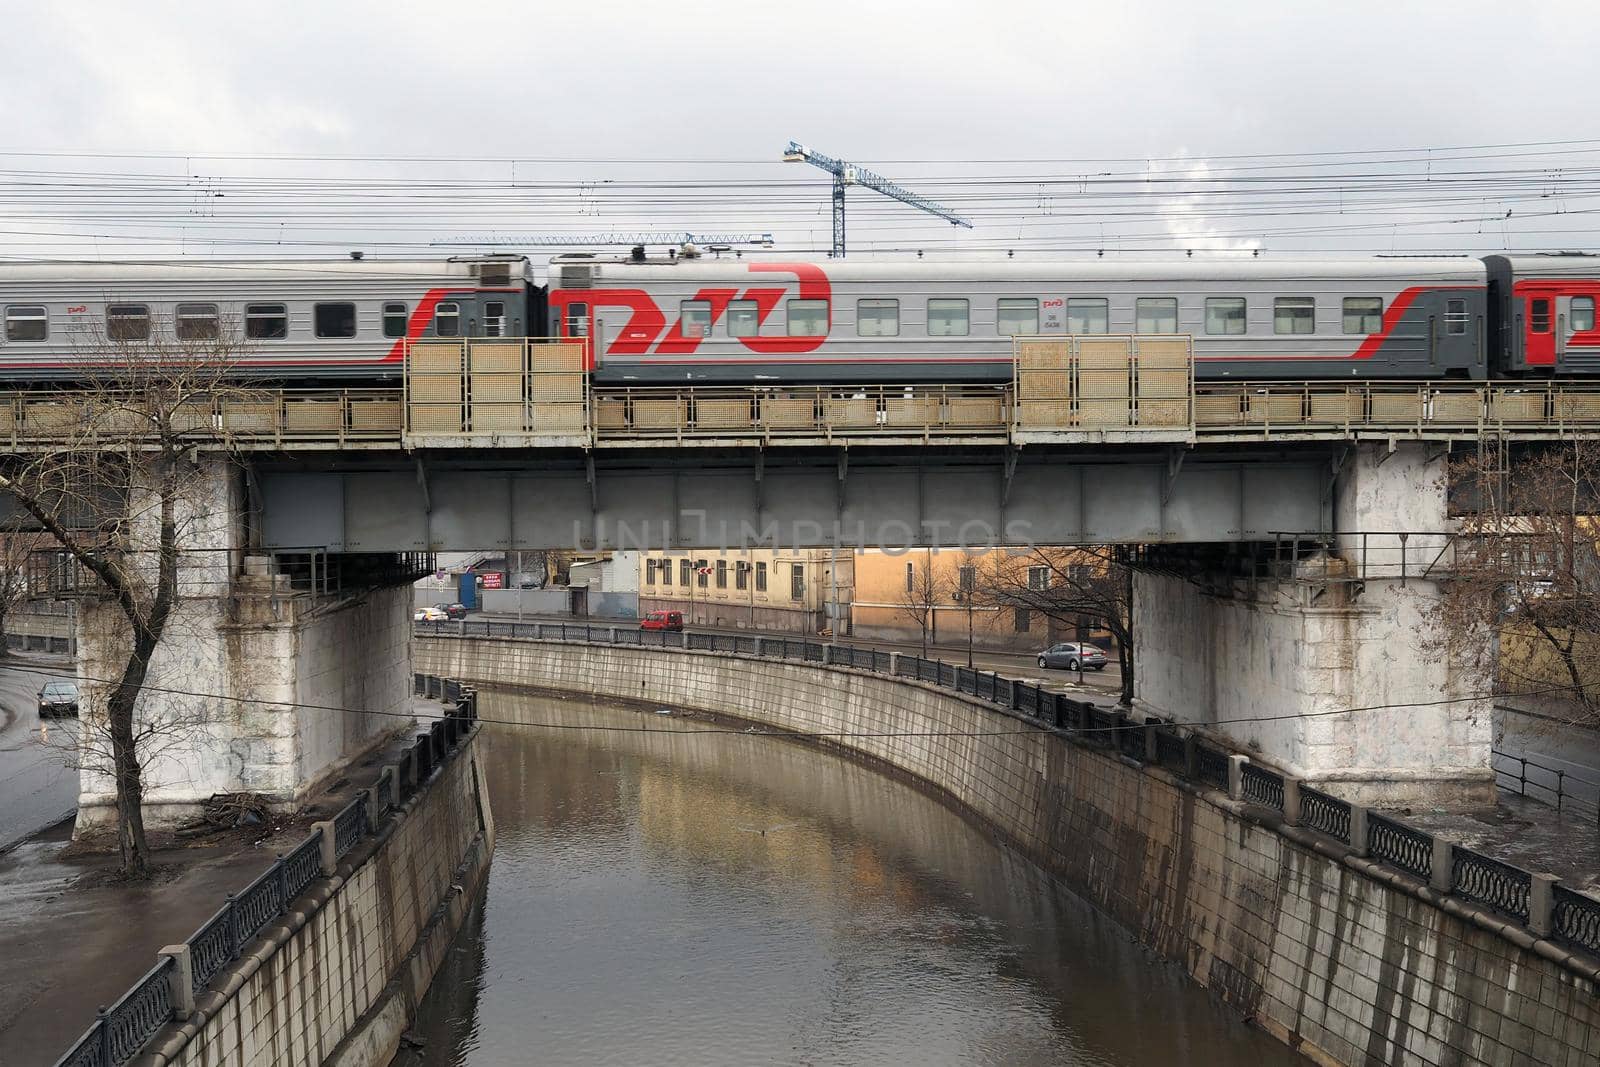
73, 937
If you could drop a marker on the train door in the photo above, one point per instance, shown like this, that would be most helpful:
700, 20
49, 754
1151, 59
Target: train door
575, 325
1539, 325
1455, 341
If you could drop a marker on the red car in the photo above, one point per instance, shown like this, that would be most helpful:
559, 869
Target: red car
662, 620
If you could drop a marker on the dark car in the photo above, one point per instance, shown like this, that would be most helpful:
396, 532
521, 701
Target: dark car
58, 698
453, 611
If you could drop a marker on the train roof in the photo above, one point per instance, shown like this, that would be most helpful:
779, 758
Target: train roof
207, 270
1549, 265
1400, 268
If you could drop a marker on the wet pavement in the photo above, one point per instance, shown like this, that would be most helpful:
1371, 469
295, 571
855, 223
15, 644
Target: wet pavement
667, 896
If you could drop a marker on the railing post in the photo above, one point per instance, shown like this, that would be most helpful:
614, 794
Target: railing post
394, 786
1151, 754
1191, 755
611, 635
330, 848
894, 663
1441, 873
1541, 904
1291, 801
1358, 829
102, 1020
374, 805
1236, 776
180, 981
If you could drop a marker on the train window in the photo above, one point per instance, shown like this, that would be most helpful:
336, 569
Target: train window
447, 319
494, 318
1155, 314
394, 319
1538, 315
334, 320
877, 317
1225, 314
694, 317
1294, 314
1582, 317
744, 318
196, 322
948, 317
1363, 314
807, 318
128, 322
1015, 315
266, 322
1455, 316
1088, 315
27, 322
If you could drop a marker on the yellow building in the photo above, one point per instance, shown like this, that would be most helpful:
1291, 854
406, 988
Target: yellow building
773, 590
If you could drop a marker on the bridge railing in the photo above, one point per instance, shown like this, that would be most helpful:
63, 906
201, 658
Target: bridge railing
1537, 901
166, 993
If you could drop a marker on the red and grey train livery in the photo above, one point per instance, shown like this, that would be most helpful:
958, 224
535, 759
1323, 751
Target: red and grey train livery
685, 318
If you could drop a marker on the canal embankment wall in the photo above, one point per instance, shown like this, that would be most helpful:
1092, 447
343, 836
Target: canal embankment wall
1340, 958
337, 980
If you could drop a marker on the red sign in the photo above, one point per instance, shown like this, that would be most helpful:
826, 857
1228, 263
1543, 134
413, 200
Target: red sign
493, 580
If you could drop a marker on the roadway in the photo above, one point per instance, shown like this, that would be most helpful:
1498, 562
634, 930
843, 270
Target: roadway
37, 788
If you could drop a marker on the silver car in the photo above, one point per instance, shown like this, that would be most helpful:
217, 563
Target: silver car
1073, 655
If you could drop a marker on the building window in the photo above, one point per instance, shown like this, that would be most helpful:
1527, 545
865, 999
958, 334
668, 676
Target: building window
1016, 315
266, 322
1582, 313
741, 575
722, 574
1363, 314
911, 578
394, 319
197, 322
1080, 572
684, 567
1156, 314
968, 577
1294, 314
797, 581
1455, 316
1020, 620
949, 317
807, 318
665, 567
1538, 315
649, 572
702, 573
1038, 579
744, 318
1088, 315
27, 322
128, 322
335, 320
447, 319
877, 318
1224, 315
694, 318
761, 577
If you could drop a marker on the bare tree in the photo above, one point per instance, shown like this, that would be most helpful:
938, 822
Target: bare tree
1522, 585
924, 593
114, 483
1068, 586
16, 550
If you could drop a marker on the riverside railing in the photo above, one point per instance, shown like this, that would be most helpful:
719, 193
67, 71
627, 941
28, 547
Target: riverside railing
1537, 901
167, 991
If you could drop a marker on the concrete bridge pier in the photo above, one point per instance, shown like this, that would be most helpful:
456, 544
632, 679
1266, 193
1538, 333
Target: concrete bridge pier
275, 673
1323, 664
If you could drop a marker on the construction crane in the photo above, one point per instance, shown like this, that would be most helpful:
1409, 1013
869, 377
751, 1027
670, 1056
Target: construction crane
849, 174
559, 240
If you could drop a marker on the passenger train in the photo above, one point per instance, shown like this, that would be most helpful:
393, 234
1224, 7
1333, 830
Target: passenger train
685, 318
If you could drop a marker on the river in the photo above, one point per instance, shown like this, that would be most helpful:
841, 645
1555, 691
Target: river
665, 894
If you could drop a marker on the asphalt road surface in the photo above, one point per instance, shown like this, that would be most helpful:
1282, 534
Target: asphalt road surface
36, 786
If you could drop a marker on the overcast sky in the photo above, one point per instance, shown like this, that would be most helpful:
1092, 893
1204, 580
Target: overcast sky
930, 91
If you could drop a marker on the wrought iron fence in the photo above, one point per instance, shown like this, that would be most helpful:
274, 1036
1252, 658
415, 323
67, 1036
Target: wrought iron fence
120, 1032
1575, 917
1489, 882
1400, 845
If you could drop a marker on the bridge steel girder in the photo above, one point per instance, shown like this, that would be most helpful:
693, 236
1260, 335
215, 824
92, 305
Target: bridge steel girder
606, 501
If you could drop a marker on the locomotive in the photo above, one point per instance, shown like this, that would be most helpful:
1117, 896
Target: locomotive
685, 318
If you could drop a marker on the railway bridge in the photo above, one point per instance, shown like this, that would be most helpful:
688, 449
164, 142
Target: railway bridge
1317, 513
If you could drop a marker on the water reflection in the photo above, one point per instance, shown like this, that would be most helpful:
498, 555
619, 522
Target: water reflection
663, 895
